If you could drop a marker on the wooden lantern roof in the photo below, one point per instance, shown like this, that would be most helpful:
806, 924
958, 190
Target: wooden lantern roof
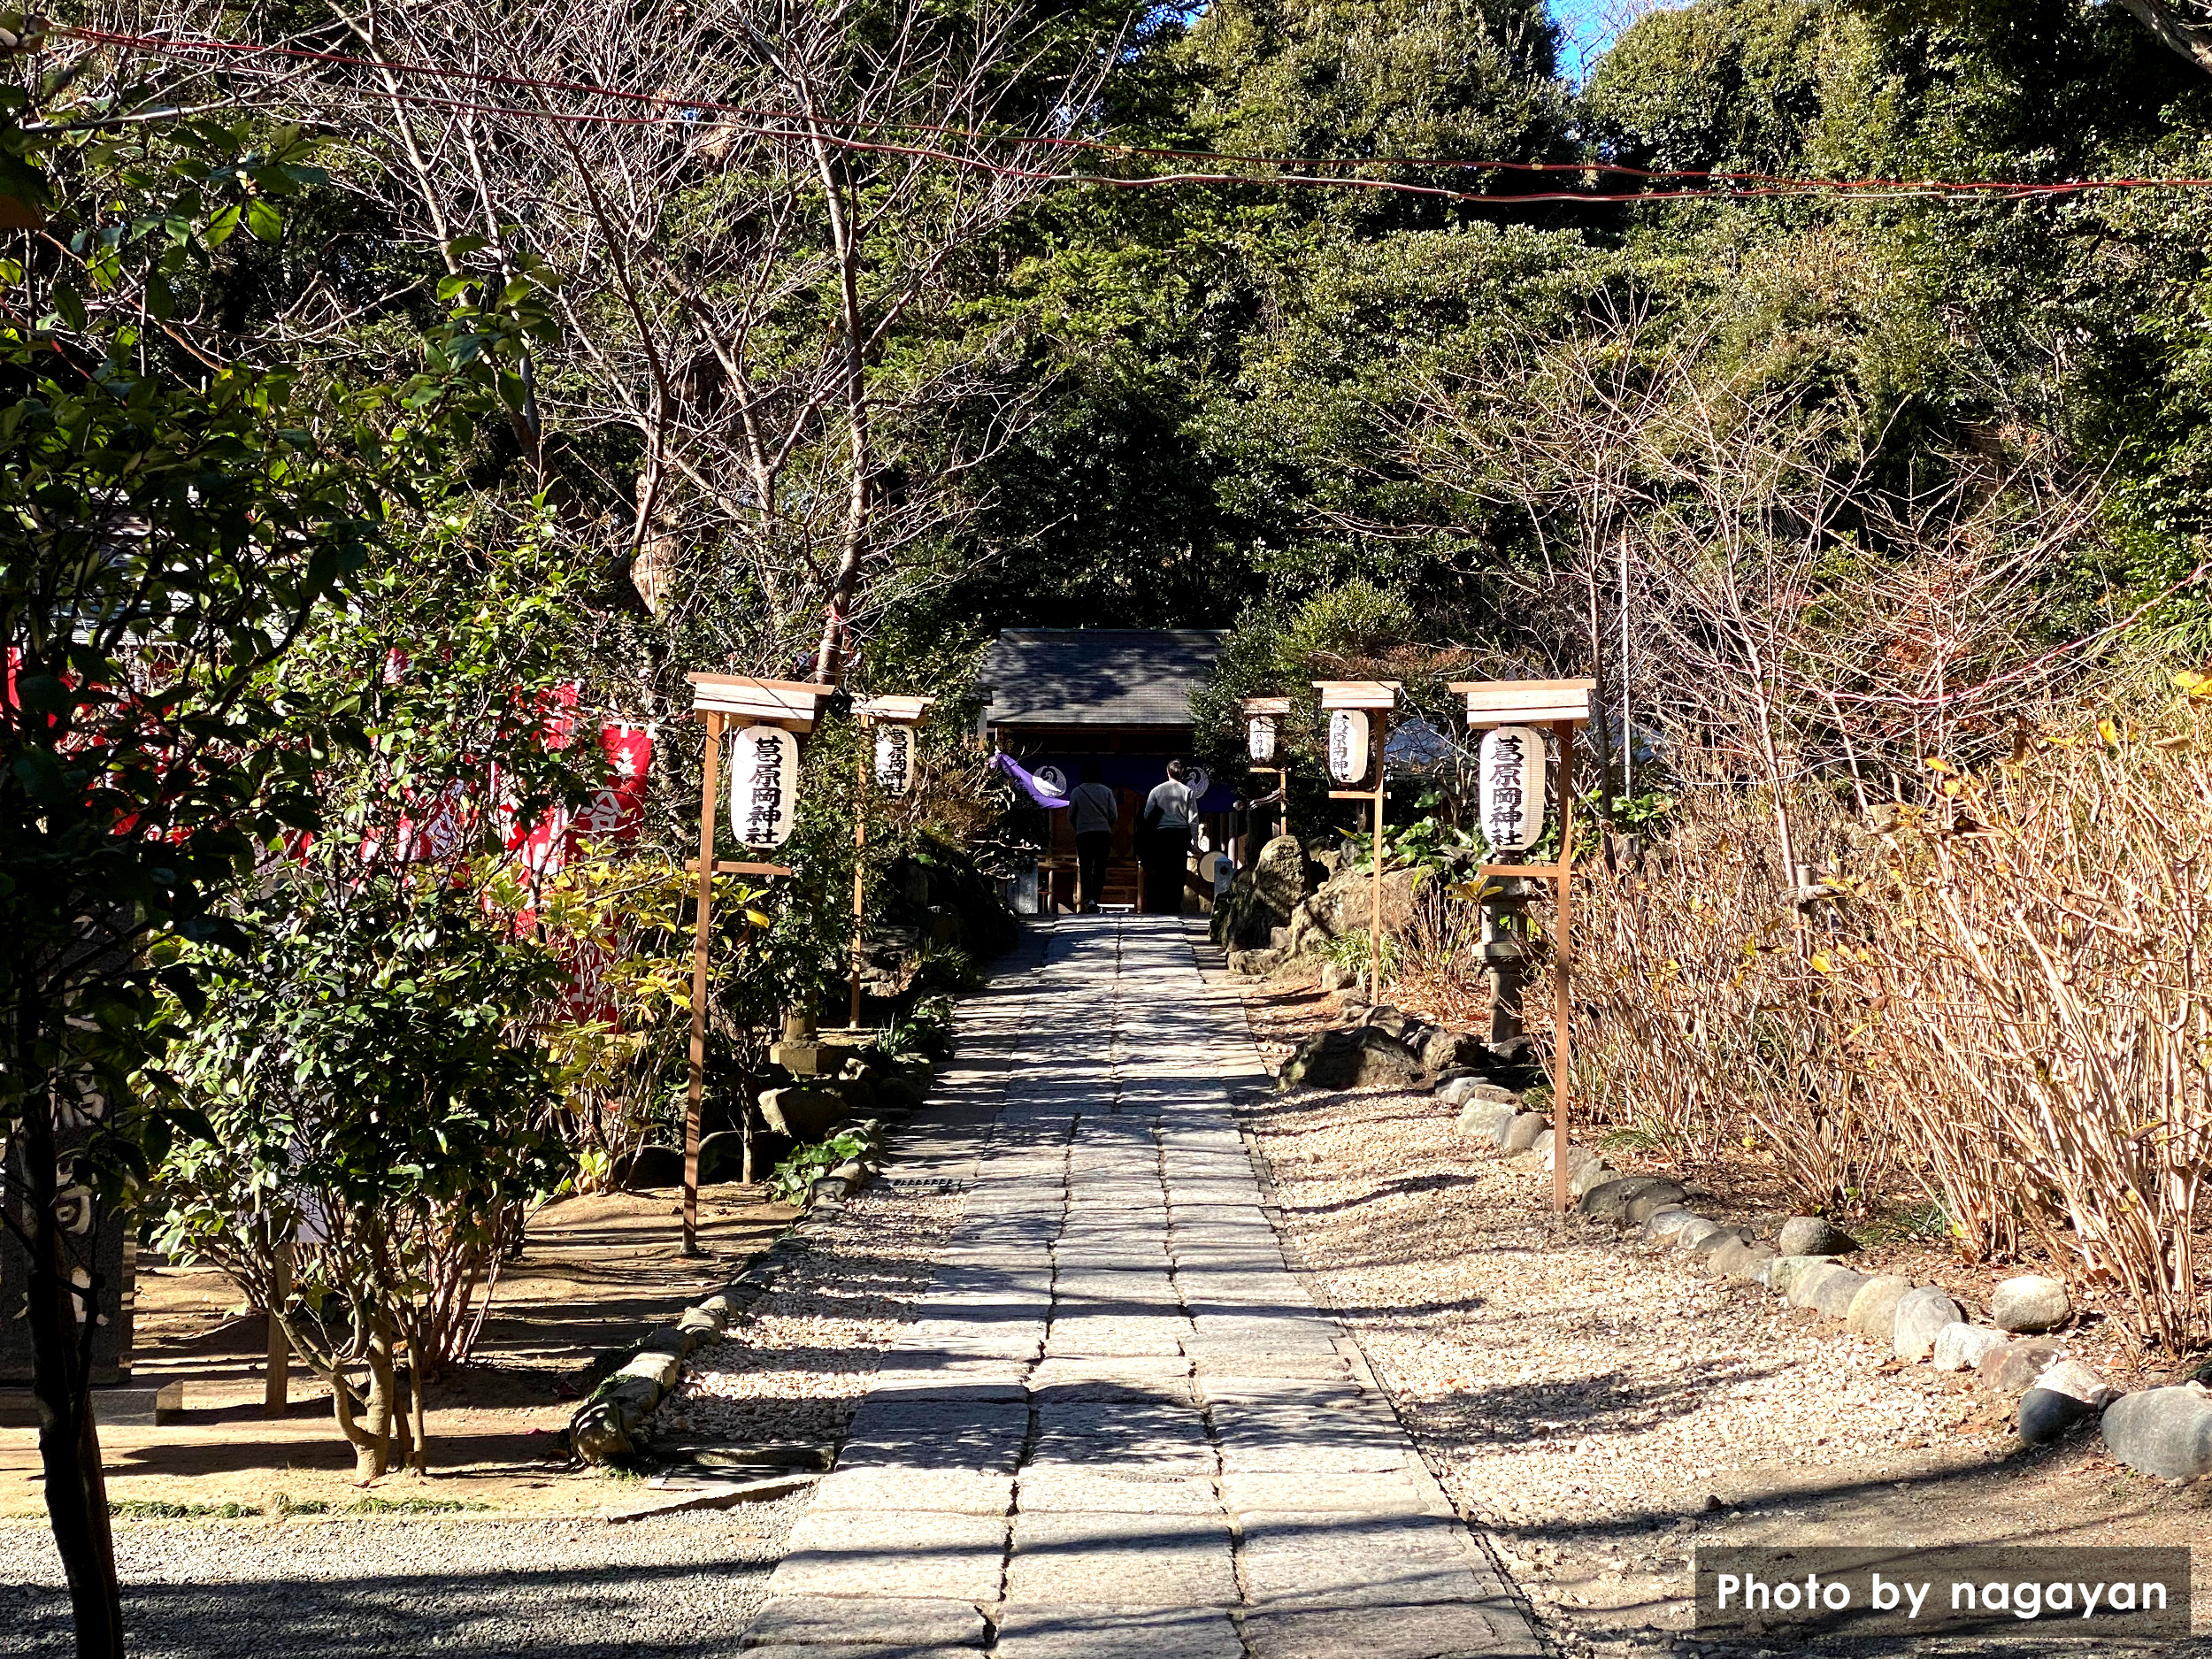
793, 704
898, 710
1358, 693
1526, 702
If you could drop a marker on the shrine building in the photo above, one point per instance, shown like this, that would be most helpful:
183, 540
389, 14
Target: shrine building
1061, 698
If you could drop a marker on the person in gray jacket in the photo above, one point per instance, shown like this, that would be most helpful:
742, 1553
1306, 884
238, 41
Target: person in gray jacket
1170, 815
1094, 810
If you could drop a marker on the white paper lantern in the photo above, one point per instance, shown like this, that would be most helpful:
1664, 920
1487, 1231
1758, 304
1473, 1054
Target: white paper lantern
1349, 745
764, 786
1511, 798
1259, 738
895, 758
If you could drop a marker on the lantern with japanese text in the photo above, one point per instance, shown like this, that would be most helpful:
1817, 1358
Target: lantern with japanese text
1263, 719
763, 761
897, 747
1359, 713
1349, 742
1510, 772
895, 758
894, 721
764, 786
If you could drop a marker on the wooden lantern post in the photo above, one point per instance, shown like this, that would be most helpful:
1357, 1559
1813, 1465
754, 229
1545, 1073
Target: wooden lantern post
1272, 709
899, 711
727, 700
1375, 699
1563, 705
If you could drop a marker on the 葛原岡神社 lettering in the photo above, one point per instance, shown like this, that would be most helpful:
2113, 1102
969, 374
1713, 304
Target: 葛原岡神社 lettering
1508, 792
766, 805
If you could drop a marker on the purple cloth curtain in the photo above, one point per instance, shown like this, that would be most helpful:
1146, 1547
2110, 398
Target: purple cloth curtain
1035, 791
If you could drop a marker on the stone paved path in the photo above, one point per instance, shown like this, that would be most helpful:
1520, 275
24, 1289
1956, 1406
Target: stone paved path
1117, 1426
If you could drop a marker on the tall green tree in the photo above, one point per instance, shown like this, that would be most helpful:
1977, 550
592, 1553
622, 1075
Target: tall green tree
1377, 81
160, 545
169, 523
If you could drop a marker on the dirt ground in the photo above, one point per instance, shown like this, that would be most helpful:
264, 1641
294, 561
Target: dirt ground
1604, 1412
597, 1273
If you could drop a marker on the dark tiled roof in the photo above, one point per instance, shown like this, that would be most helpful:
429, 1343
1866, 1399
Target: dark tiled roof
1097, 676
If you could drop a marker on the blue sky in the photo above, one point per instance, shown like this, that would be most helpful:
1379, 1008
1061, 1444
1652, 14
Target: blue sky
1590, 27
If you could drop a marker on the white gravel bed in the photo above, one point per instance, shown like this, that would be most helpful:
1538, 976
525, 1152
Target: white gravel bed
1568, 1375
580, 1589
1603, 1409
797, 1367
575, 1588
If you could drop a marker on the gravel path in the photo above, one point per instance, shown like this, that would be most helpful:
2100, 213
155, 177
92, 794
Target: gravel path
685, 1584
1572, 1377
799, 1364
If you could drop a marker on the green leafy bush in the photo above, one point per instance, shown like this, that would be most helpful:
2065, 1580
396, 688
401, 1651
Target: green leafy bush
789, 1181
376, 1110
925, 1029
942, 968
1428, 842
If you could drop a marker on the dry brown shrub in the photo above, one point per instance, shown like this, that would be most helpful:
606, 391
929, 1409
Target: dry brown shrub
1998, 999
1699, 1020
2038, 1024
1437, 970
1988, 997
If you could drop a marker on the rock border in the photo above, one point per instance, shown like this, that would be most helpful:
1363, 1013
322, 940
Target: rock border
2162, 1432
604, 1428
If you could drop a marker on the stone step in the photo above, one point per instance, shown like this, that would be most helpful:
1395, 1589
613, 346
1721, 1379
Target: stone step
117, 1405
684, 1497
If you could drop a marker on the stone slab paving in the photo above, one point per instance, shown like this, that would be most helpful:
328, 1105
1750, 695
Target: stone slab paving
1117, 1425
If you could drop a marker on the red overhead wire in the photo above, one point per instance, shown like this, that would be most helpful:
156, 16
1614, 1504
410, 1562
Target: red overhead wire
154, 44
1733, 185
1153, 180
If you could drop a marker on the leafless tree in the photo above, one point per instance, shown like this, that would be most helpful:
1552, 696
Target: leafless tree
730, 236
1790, 614
1553, 432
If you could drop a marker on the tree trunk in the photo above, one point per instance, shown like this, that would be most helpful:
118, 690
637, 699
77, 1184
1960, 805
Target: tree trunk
829, 659
1598, 728
418, 1371
373, 1445
68, 1439
352, 1412
2177, 33
420, 1453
